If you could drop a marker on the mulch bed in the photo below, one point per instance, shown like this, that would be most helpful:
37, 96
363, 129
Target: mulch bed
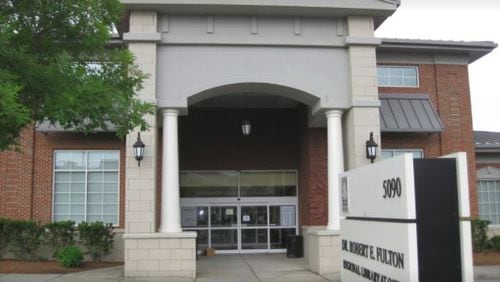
47, 267
487, 258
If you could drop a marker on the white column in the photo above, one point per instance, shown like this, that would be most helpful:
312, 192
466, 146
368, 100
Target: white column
170, 200
335, 166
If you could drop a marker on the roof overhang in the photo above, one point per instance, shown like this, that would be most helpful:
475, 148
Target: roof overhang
47, 126
472, 49
408, 113
380, 9
480, 149
487, 142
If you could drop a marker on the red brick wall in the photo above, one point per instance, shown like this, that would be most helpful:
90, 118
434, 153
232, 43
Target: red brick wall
16, 176
313, 176
448, 89
16, 187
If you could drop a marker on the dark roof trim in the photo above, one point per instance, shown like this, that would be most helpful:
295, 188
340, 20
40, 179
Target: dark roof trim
473, 49
408, 113
46, 126
486, 150
487, 141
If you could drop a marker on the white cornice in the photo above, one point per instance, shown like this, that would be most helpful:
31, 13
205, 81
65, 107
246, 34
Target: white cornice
370, 41
378, 8
473, 50
142, 36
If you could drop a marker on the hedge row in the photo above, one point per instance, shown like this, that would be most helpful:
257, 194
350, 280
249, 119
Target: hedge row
25, 237
480, 241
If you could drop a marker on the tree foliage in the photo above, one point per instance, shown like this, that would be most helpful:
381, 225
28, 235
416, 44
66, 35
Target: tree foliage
56, 64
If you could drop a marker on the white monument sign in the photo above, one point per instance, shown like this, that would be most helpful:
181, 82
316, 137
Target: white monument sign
387, 216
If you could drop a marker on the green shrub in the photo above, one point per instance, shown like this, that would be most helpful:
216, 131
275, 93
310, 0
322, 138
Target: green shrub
60, 235
70, 256
5, 235
26, 239
97, 237
495, 243
479, 229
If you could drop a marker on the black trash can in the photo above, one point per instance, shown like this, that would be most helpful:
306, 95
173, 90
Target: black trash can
294, 246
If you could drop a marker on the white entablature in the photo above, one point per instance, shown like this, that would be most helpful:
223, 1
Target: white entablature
379, 8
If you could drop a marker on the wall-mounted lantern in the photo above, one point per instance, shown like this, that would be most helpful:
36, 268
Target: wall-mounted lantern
139, 149
371, 148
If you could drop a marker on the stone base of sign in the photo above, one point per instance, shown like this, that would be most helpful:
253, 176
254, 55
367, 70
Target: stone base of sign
323, 247
160, 255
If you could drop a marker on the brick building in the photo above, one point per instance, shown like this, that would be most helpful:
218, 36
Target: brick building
312, 81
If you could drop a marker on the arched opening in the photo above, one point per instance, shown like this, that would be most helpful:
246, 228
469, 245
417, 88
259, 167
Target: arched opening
241, 193
259, 89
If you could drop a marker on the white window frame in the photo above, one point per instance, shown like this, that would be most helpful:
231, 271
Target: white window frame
402, 67
86, 179
493, 225
404, 151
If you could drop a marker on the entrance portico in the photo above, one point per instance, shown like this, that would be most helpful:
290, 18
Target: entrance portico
332, 82
217, 170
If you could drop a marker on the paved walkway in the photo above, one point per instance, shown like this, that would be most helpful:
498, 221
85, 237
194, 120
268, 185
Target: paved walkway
222, 268
254, 268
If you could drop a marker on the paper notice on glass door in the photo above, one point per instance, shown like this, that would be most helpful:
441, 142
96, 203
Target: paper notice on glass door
287, 215
189, 216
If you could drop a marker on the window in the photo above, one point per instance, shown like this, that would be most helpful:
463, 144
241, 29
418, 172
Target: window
397, 76
217, 184
489, 200
389, 153
86, 186
196, 184
268, 184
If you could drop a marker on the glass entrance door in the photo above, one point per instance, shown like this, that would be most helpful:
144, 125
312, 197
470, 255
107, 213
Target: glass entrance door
247, 211
266, 226
254, 227
224, 227
241, 227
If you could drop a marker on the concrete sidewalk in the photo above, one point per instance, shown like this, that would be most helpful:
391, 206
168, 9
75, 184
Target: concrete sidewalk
254, 268
222, 268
